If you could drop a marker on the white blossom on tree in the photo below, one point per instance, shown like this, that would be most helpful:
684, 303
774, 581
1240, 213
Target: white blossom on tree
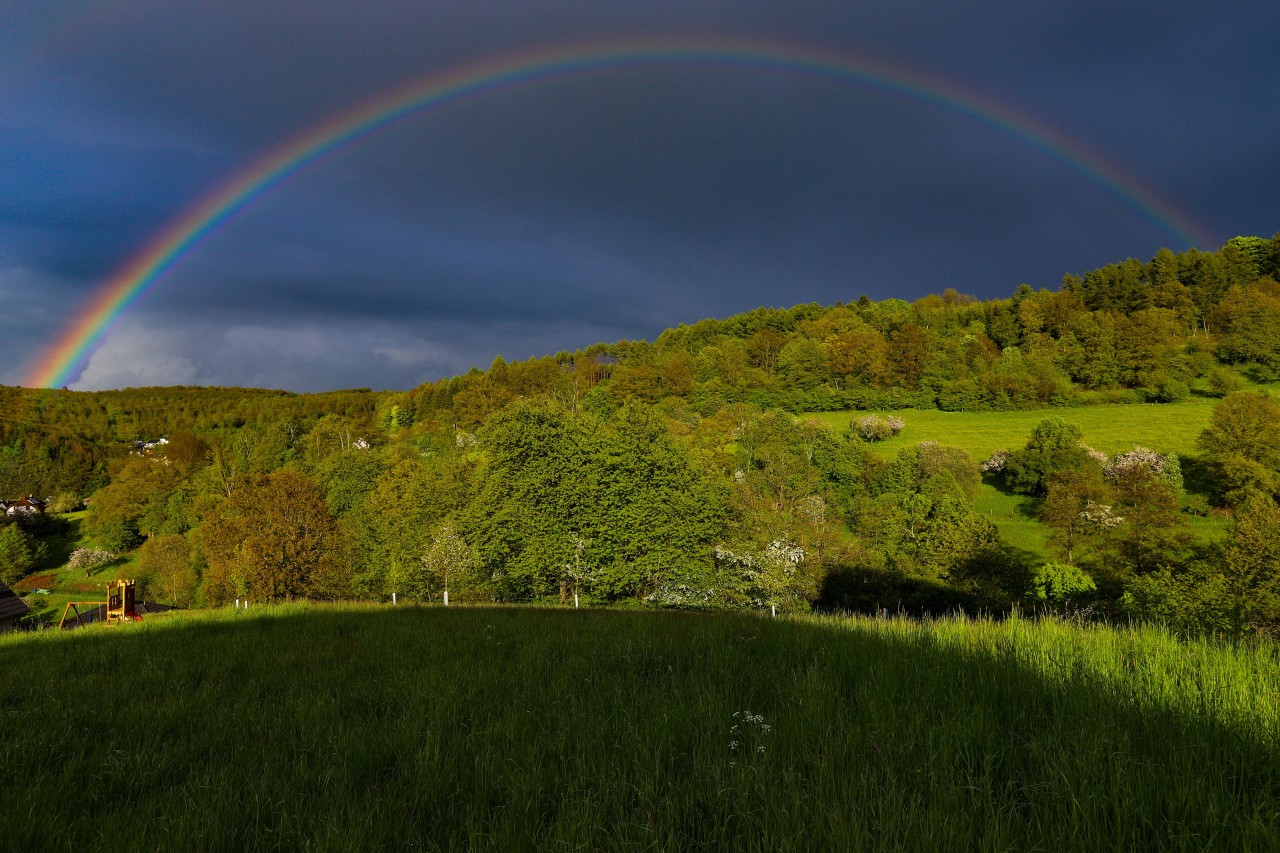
449, 558
771, 573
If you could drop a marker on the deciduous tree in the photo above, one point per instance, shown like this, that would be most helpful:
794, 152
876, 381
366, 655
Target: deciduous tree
1054, 445
1251, 565
166, 559
1242, 442
273, 539
450, 558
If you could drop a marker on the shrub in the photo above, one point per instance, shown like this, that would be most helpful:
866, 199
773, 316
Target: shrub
876, 428
1172, 391
1057, 583
65, 502
1223, 382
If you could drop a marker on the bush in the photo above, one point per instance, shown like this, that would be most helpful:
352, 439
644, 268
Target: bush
89, 560
876, 428
1192, 601
1172, 391
1223, 382
1057, 583
65, 502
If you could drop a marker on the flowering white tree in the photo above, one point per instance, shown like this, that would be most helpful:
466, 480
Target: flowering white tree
772, 573
1165, 467
89, 560
876, 428
996, 462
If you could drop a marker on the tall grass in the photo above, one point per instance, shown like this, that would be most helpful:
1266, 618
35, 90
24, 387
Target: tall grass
509, 729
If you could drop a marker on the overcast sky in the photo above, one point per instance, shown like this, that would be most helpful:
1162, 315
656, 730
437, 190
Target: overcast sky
598, 206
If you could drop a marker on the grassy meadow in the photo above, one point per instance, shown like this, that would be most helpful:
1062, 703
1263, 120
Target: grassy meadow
1165, 427
338, 728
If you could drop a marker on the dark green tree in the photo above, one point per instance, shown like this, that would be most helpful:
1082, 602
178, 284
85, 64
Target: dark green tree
1054, 446
1076, 509
17, 553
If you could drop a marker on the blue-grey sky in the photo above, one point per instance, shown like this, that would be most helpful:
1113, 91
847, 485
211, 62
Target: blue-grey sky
594, 207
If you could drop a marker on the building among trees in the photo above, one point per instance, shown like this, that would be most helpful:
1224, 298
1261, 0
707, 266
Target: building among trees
12, 608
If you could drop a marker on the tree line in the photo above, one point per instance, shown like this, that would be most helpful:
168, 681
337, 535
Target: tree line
677, 472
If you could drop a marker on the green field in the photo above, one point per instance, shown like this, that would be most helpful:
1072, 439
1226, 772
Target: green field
1165, 427
340, 728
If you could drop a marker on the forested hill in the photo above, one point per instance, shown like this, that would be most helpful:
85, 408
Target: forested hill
1127, 332
1130, 331
677, 473
60, 441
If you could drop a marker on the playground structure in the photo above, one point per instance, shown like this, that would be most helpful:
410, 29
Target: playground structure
121, 606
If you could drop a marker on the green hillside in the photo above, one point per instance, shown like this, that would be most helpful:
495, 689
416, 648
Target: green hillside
501, 729
685, 472
1168, 428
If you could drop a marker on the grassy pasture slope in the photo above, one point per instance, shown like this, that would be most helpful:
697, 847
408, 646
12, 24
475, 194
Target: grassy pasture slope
341, 728
1166, 427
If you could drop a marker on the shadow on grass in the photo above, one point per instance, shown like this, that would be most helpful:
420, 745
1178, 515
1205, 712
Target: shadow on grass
1198, 476
1027, 507
855, 589
510, 728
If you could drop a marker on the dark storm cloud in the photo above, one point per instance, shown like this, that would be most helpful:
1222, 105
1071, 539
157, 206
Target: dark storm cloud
609, 205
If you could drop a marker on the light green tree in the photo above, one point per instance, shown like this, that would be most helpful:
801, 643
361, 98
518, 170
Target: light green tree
1056, 583
450, 558
1251, 564
1242, 442
771, 575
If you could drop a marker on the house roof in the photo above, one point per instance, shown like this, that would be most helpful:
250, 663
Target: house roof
27, 504
10, 604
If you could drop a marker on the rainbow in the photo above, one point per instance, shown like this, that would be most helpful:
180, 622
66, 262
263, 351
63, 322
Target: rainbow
70, 351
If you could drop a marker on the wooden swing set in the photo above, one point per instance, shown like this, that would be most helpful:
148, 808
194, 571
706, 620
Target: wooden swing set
121, 606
